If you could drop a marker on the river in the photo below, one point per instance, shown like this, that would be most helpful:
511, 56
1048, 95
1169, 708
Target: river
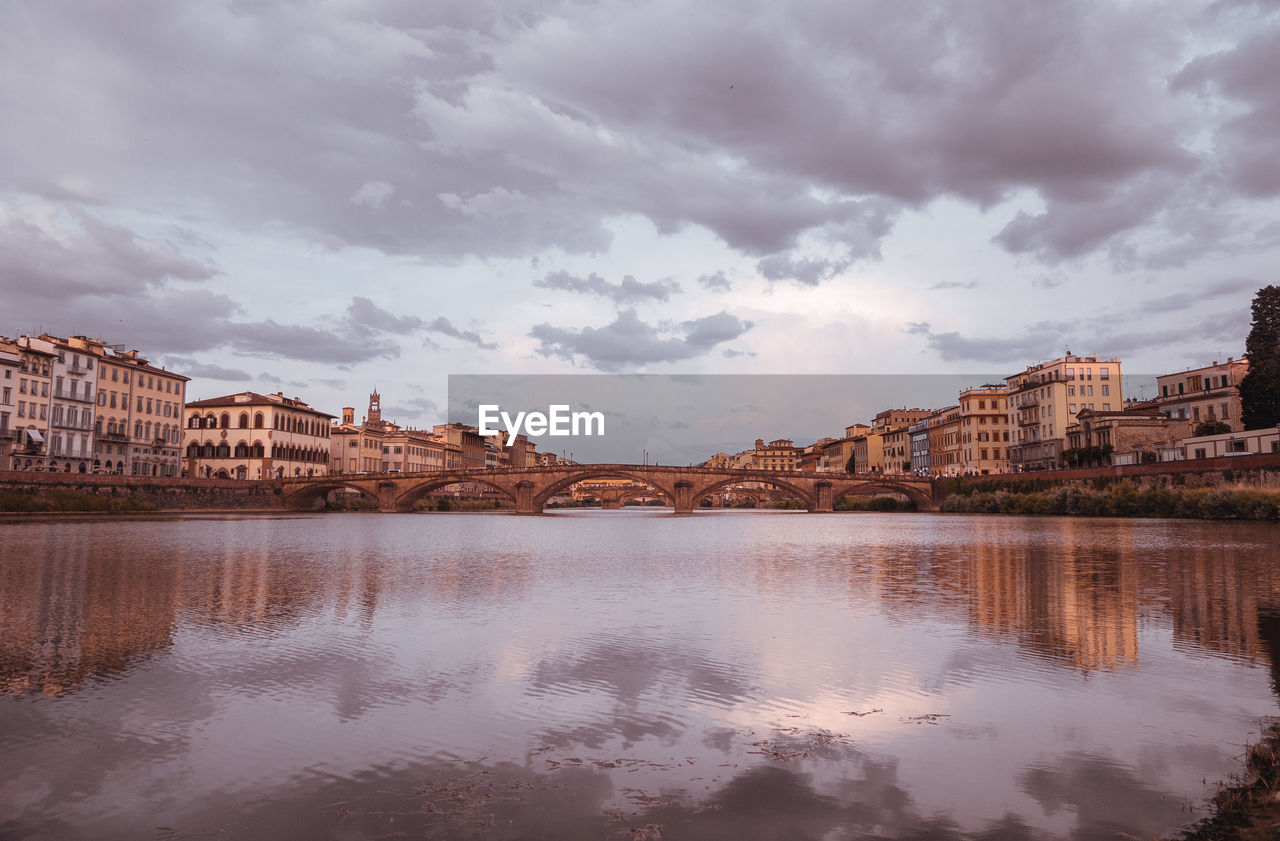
627, 675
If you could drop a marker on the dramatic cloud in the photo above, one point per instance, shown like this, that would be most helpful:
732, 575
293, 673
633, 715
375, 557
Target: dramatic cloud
629, 342
192, 368
628, 291
444, 327
364, 317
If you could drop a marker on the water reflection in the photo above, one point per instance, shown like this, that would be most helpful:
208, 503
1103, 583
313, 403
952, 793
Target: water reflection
721, 677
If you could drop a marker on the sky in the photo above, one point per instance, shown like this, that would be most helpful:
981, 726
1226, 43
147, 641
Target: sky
323, 198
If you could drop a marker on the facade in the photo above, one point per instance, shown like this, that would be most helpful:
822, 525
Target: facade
72, 400
1211, 393
467, 439
868, 453
919, 435
984, 430
1044, 399
896, 444
1131, 436
30, 450
138, 429
10, 362
944, 441
898, 418
835, 455
1239, 443
779, 454
255, 436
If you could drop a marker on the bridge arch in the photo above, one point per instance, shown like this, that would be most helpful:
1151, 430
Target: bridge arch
405, 499
311, 495
588, 472
922, 499
808, 497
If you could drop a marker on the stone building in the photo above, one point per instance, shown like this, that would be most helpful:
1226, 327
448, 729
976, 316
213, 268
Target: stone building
10, 362
255, 436
944, 441
1044, 399
1130, 436
779, 454
1211, 393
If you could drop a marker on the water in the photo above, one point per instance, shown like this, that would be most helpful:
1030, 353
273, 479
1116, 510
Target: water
627, 675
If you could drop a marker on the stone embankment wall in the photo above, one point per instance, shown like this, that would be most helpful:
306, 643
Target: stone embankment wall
1256, 471
166, 494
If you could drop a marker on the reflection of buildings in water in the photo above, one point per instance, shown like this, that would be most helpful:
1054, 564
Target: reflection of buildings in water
1216, 600
1061, 599
77, 607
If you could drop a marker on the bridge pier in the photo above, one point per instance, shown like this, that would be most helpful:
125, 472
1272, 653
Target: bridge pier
823, 498
683, 501
525, 503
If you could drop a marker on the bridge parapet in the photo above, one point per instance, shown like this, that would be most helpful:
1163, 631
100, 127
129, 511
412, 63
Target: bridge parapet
532, 488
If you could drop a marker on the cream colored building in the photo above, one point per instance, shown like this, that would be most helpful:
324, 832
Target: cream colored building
984, 430
868, 453
1211, 393
1044, 399
255, 436
779, 454
138, 428
72, 400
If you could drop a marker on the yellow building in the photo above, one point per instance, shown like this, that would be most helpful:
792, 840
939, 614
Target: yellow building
1211, 393
256, 436
779, 454
944, 441
1044, 399
984, 430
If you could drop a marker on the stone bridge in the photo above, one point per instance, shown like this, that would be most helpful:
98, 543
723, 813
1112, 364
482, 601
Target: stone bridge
531, 488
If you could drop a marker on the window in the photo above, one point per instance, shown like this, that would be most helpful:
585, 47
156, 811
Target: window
22, 386
1106, 390
115, 375
1071, 391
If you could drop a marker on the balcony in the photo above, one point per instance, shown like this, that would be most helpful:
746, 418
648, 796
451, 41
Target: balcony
113, 436
78, 396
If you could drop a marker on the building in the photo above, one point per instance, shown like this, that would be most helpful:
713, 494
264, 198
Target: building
1129, 436
919, 435
944, 441
1211, 393
10, 365
1044, 399
138, 429
898, 418
71, 402
255, 436
467, 439
868, 452
779, 454
380, 446
896, 445
1226, 444
30, 448
984, 430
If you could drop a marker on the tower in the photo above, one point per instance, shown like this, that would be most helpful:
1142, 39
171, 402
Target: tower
375, 407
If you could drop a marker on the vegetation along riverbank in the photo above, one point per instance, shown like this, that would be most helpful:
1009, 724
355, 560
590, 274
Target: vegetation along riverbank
1124, 499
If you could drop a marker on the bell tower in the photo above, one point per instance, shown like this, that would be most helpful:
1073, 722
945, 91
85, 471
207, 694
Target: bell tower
375, 407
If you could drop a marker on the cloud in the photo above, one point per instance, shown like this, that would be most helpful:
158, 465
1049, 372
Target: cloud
443, 326
373, 194
191, 368
628, 342
715, 282
628, 291
955, 284
364, 318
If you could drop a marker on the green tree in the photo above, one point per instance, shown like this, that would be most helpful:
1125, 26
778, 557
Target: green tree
1260, 388
1213, 427
851, 466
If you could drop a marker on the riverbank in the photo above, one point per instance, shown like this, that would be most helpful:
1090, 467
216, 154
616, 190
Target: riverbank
1250, 809
1124, 499
71, 502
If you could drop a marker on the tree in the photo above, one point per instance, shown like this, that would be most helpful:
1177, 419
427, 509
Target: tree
1213, 427
1260, 388
851, 466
